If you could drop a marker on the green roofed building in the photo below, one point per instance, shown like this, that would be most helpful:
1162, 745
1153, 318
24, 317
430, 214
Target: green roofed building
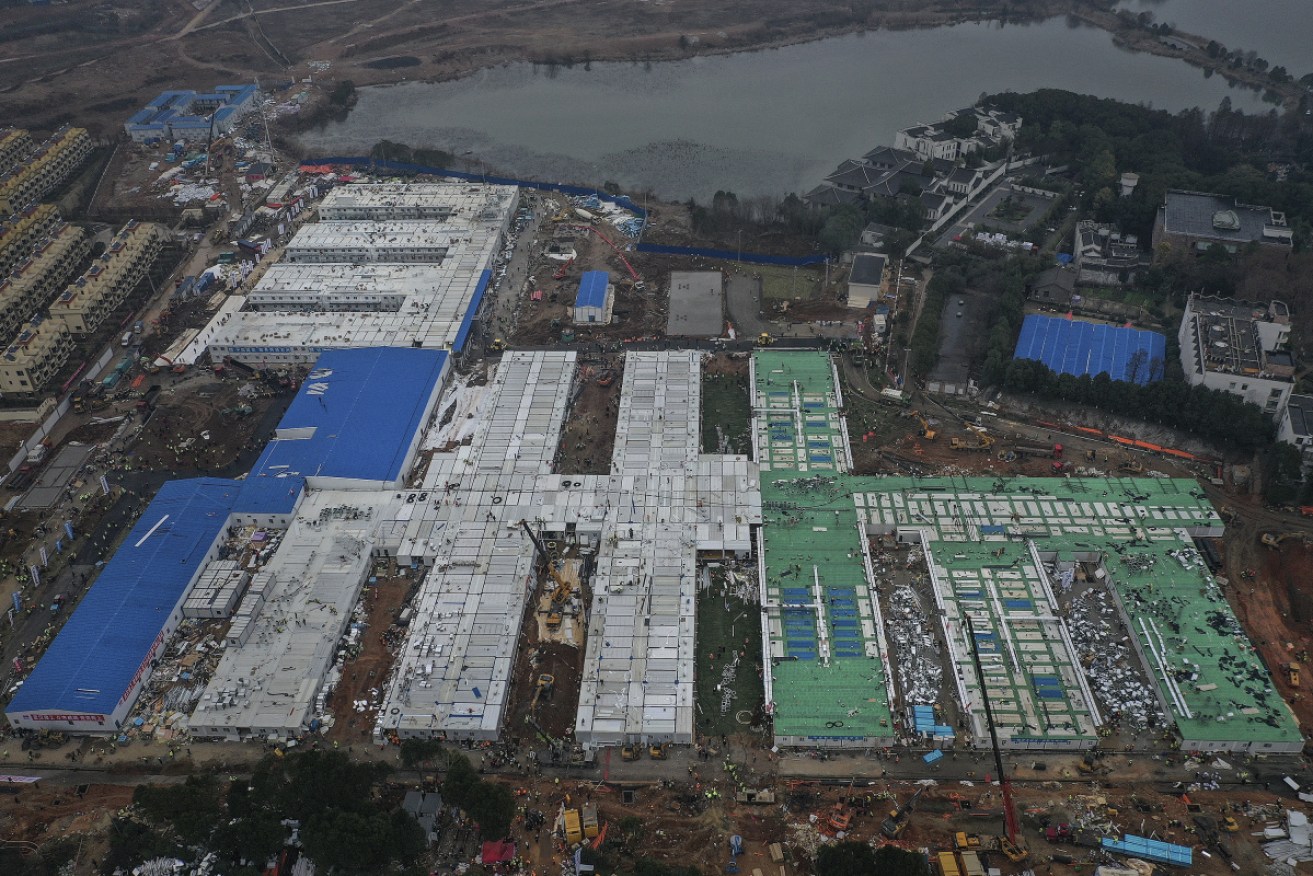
997, 551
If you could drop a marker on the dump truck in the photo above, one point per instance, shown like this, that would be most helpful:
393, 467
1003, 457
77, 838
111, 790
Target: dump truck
1054, 452
970, 865
574, 832
948, 864
589, 819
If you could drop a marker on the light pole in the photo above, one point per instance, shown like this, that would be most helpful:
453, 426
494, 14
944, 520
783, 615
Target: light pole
739, 235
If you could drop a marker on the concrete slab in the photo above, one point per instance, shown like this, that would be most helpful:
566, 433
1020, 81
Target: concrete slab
50, 485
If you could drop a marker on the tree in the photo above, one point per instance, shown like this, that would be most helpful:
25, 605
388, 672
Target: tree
191, 809
846, 859
348, 842
841, 230
255, 838
492, 809
460, 781
416, 752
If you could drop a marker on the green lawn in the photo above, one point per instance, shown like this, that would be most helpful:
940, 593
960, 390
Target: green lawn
786, 284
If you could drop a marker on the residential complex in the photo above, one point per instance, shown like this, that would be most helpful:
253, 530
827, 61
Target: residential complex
992, 128
83, 306
1103, 256
193, 116
21, 231
42, 172
15, 144
1240, 348
34, 357
1295, 424
33, 282
1196, 221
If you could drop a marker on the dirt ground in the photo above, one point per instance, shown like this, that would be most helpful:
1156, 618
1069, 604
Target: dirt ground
48, 811
555, 711
589, 434
363, 677
175, 435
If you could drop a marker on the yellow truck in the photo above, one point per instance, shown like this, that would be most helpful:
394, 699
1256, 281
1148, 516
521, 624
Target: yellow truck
574, 832
948, 864
970, 864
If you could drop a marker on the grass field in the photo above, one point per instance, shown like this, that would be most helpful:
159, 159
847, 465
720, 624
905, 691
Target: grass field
786, 284
726, 693
726, 412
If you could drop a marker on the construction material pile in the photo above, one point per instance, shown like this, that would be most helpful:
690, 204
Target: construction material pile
1111, 668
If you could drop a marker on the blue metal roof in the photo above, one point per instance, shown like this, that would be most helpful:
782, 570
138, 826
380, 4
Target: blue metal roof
464, 332
92, 662
1070, 346
355, 416
592, 289
275, 495
1151, 850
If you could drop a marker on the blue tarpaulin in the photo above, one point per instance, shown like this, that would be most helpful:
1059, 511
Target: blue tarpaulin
1069, 346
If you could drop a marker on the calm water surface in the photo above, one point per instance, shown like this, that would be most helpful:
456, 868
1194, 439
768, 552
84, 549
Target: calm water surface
1279, 30
757, 123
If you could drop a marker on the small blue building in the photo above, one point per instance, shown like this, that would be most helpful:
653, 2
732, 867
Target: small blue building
187, 115
592, 306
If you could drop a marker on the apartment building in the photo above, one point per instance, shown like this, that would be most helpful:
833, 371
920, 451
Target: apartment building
34, 358
30, 286
22, 231
83, 306
53, 163
15, 144
1240, 348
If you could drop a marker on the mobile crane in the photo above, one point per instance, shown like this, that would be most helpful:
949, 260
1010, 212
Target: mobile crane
1010, 844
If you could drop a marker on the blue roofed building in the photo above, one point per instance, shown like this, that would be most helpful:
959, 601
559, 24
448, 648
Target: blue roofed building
187, 115
592, 306
357, 421
90, 677
1070, 346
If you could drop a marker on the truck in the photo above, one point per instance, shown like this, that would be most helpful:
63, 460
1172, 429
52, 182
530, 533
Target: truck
574, 832
970, 864
148, 398
948, 864
589, 818
1054, 452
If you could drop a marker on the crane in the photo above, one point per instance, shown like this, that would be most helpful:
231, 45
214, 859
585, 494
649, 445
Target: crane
620, 255
1011, 844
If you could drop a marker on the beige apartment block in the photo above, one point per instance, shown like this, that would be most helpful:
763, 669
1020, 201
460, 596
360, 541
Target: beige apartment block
31, 285
83, 306
34, 357
54, 161
15, 144
22, 231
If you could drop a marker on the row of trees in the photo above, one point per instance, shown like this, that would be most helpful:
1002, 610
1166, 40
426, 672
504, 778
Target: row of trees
345, 824
1215, 416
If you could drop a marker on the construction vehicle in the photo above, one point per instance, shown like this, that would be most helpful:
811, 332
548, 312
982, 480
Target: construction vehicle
926, 431
1131, 466
970, 864
764, 797
574, 831
589, 819
963, 841
840, 819
606, 378
1273, 540
1024, 450
1291, 670
542, 690
735, 852
658, 751
947, 864
1058, 833
892, 826
559, 273
764, 339
983, 442
1010, 844
630, 752
498, 345
564, 587
147, 401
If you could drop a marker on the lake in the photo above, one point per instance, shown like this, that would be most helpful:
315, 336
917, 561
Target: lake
1279, 30
756, 123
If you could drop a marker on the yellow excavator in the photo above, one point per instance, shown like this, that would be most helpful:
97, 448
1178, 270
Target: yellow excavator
546, 684
564, 587
984, 441
926, 431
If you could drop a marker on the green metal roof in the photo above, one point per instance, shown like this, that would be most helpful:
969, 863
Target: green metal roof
977, 529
